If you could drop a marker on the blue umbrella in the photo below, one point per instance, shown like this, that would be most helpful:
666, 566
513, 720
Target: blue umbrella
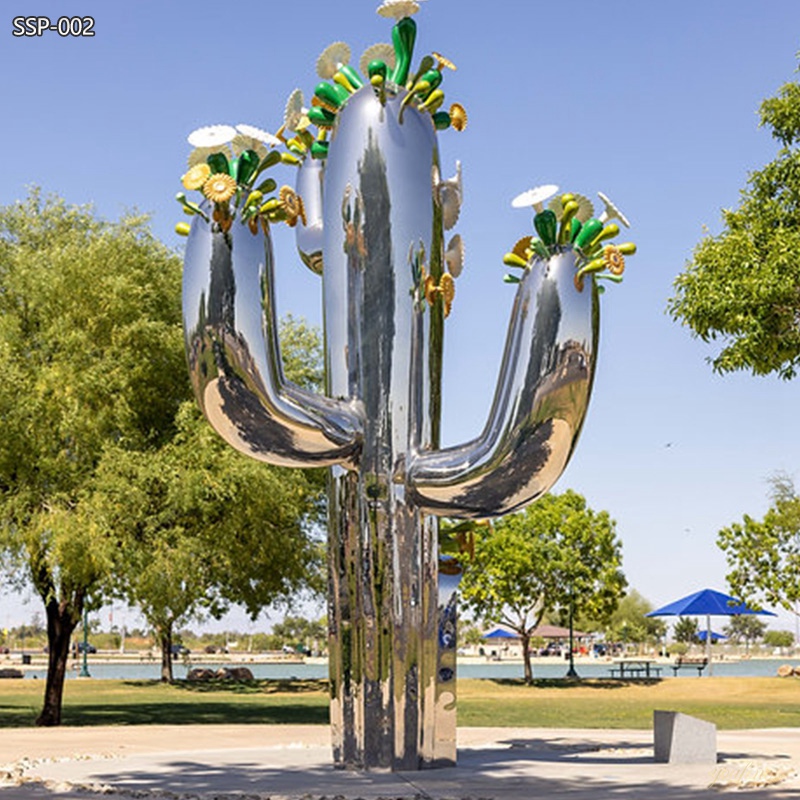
501, 633
715, 637
710, 603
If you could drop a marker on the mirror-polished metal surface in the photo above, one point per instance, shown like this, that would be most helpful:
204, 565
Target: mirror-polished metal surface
540, 403
380, 233
384, 607
234, 357
309, 237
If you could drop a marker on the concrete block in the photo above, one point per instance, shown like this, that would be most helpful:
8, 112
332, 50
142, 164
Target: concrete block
681, 739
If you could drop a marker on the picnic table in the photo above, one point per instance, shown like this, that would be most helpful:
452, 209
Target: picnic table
635, 668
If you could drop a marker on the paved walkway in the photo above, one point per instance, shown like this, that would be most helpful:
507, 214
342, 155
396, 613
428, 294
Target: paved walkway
259, 761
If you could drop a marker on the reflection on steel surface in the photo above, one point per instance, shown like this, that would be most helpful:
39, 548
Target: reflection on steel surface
391, 612
539, 406
234, 357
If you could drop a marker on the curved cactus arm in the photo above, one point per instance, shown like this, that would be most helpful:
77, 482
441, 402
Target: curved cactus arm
539, 406
309, 236
235, 359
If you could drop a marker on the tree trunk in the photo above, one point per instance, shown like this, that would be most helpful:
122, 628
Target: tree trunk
165, 640
61, 622
526, 657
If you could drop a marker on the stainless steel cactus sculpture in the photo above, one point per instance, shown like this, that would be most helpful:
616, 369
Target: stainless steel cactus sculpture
371, 210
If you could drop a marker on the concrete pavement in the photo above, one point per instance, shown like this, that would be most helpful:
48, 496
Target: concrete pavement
260, 761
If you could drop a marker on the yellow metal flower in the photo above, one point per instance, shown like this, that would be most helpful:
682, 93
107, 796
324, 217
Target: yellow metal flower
196, 176
615, 261
219, 188
443, 62
458, 116
291, 204
302, 209
446, 290
447, 287
431, 289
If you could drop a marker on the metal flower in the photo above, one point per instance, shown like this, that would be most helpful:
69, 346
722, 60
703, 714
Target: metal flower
611, 212
377, 52
443, 62
332, 58
241, 143
585, 207
292, 206
458, 116
200, 154
535, 197
212, 136
219, 187
614, 260
294, 115
251, 132
398, 9
451, 194
454, 256
196, 176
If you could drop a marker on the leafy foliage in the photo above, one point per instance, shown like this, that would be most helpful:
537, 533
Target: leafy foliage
779, 638
745, 628
764, 556
199, 526
743, 286
629, 623
686, 630
556, 553
91, 353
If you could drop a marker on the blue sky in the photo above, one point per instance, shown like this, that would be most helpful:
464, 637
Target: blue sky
654, 104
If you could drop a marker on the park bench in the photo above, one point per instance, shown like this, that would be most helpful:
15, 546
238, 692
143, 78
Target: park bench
698, 663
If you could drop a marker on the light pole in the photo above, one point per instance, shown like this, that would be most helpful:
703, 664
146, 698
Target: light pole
84, 673
571, 673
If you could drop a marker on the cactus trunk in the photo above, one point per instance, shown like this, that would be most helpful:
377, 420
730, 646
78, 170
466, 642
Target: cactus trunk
383, 609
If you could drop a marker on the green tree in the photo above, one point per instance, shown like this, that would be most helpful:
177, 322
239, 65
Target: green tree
299, 632
745, 628
629, 622
686, 630
556, 554
199, 526
779, 638
743, 286
91, 353
764, 556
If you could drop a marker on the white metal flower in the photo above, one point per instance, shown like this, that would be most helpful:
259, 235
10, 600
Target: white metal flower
295, 112
535, 197
212, 136
454, 256
332, 58
585, 207
241, 143
251, 132
398, 8
200, 154
451, 194
377, 52
611, 212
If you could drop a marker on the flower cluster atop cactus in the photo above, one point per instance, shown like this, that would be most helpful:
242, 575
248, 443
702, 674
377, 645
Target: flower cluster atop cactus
569, 221
387, 67
227, 167
227, 163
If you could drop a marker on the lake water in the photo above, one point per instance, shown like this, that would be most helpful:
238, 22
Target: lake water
557, 669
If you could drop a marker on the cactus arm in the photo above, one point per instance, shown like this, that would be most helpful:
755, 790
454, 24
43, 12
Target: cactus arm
539, 406
235, 361
309, 236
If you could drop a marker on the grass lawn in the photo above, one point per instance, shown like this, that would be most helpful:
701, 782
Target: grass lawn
728, 702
